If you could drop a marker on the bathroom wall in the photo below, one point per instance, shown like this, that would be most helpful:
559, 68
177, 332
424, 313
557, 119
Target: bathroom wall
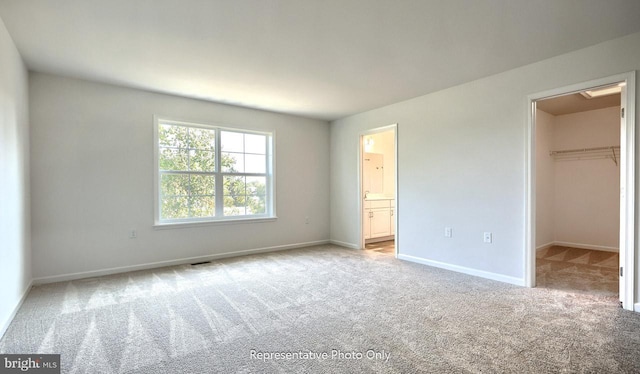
384, 143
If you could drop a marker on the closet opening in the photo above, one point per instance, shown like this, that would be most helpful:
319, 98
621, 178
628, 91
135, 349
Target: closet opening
581, 188
378, 207
577, 191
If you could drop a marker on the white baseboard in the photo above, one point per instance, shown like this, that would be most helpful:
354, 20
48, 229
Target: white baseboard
544, 246
5, 324
465, 270
636, 307
159, 264
344, 244
587, 246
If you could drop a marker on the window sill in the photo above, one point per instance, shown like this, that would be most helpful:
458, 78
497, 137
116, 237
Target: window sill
184, 225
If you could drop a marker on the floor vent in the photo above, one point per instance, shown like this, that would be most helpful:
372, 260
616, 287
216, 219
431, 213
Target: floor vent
201, 263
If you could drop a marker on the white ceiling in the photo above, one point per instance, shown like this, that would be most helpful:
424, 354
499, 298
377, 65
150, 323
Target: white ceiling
575, 103
316, 58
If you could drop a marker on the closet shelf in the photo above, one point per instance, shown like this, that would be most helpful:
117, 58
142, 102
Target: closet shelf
612, 152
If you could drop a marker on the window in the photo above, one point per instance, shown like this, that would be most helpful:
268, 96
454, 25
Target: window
207, 173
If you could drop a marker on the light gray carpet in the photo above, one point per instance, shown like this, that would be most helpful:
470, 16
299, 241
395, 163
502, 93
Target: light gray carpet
208, 318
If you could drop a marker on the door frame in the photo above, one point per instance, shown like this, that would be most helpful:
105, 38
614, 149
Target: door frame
361, 136
627, 180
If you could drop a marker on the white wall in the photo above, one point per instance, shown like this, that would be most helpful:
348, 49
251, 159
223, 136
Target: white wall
577, 201
92, 178
15, 250
461, 160
545, 181
384, 144
587, 192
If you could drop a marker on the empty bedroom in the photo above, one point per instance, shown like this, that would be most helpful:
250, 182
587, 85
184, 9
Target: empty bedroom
285, 186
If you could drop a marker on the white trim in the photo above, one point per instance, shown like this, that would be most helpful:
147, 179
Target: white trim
464, 270
159, 264
344, 244
396, 203
184, 225
550, 244
529, 196
627, 180
587, 246
5, 326
636, 307
628, 193
269, 174
156, 171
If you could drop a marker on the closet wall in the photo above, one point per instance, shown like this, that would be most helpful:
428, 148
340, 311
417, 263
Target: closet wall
577, 201
545, 181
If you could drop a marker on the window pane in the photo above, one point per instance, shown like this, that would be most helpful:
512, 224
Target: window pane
233, 186
234, 205
173, 159
232, 141
202, 139
234, 196
256, 204
234, 211
255, 144
256, 186
255, 164
202, 185
232, 162
173, 136
174, 207
192, 158
174, 185
202, 206
201, 160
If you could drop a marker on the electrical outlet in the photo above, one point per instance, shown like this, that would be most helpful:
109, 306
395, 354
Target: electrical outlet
488, 237
133, 234
448, 232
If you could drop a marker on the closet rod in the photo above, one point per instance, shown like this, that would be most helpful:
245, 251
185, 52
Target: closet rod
553, 153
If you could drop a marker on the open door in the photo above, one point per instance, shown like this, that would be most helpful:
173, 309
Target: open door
627, 194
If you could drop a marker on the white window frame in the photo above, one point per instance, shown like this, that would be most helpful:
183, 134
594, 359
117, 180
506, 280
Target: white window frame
219, 218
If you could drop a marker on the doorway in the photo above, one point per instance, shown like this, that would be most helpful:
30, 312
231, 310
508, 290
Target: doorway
377, 161
580, 191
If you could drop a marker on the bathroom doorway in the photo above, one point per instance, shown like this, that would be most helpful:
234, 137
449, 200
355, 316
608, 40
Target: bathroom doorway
378, 190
